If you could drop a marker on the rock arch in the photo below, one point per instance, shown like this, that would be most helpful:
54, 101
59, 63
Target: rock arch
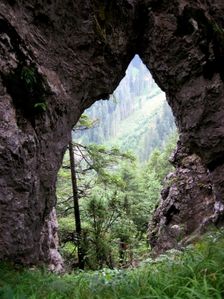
58, 57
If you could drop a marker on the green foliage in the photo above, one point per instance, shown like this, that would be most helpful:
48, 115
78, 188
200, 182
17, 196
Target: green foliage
217, 28
28, 89
42, 106
198, 272
32, 83
158, 164
85, 122
101, 205
117, 195
28, 75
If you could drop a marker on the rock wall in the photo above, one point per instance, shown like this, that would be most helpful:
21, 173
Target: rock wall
58, 57
185, 48
188, 204
49, 244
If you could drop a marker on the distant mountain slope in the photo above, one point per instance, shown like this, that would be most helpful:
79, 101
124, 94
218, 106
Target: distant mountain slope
137, 116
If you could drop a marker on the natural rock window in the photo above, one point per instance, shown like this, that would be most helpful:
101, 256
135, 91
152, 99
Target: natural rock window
135, 117
119, 160
58, 57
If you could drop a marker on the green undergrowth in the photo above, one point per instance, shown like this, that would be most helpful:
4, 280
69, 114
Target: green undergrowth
197, 272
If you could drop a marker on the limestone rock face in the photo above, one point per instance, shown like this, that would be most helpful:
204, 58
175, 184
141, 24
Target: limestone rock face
58, 57
187, 204
49, 243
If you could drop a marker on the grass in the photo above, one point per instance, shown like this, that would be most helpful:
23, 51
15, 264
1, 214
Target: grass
198, 272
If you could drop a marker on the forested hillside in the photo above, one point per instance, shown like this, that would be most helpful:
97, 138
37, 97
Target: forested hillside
115, 194
116, 198
136, 117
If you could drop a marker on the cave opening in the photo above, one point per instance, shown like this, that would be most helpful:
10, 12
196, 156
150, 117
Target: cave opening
119, 159
72, 56
135, 117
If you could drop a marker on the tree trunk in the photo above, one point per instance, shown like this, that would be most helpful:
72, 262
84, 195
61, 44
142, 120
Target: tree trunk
78, 228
